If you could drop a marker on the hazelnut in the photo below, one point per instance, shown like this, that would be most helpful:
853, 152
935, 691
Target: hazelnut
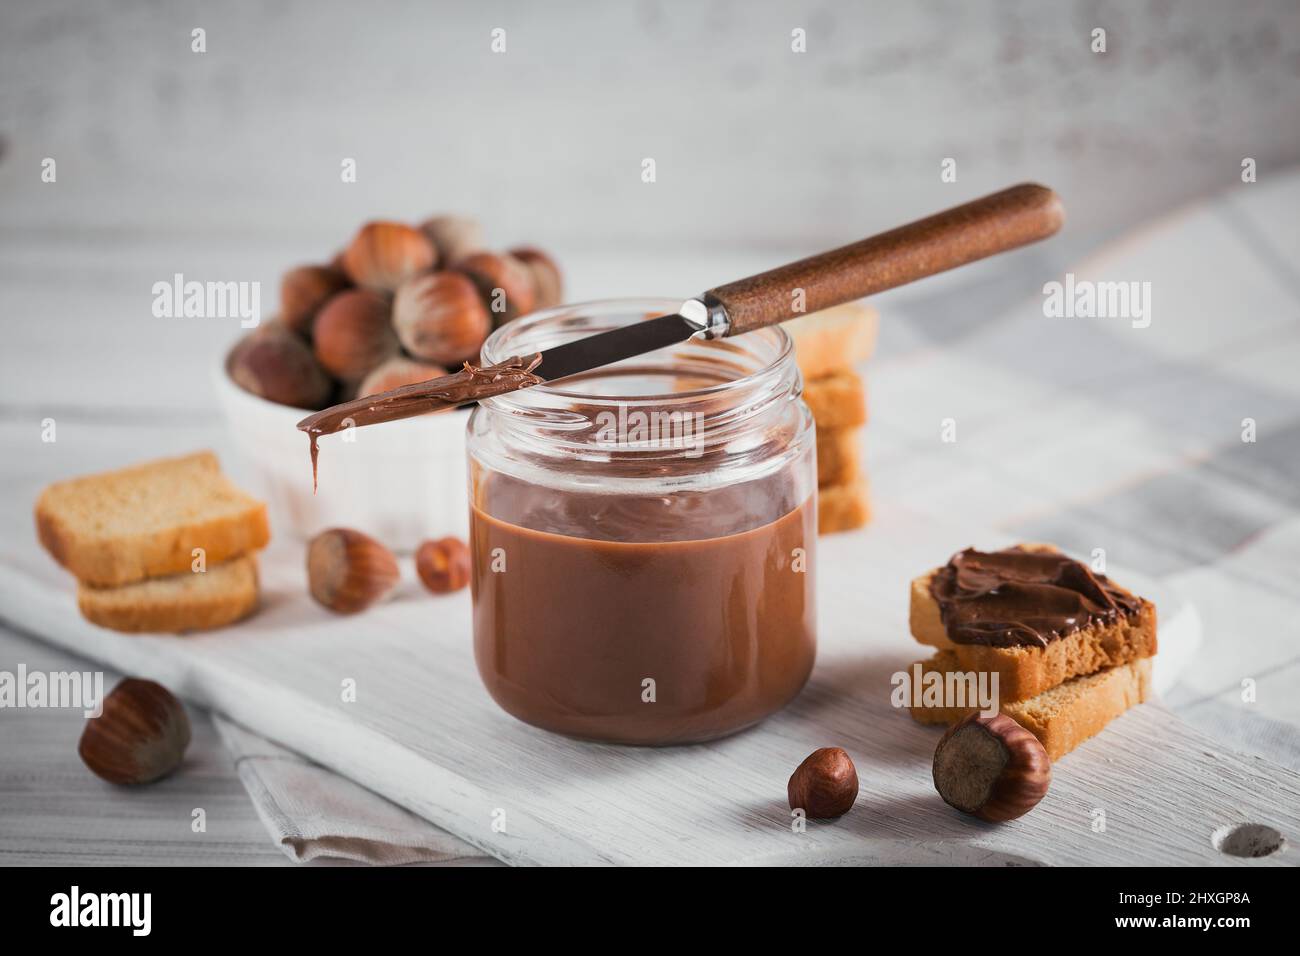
140, 736
503, 281
348, 571
443, 565
991, 768
275, 364
548, 284
440, 318
824, 785
384, 254
395, 373
302, 293
453, 236
354, 334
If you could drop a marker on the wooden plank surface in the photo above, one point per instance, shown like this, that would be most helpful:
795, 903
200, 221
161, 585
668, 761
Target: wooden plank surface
1163, 787
424, 733
53, 811
753, 141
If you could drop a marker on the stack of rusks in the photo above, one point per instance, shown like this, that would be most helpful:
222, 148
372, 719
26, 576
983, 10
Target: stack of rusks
828, 345
168, 546
1070, 648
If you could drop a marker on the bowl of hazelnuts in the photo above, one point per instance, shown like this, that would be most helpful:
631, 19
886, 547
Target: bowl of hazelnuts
400, 304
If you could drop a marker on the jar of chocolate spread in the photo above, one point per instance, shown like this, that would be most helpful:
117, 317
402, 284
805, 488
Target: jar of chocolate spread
643, 536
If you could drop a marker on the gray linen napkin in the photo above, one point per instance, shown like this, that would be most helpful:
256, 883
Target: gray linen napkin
313, 812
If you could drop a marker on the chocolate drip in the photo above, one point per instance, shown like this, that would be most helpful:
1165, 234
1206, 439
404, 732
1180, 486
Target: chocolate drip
1020, 597
470, 384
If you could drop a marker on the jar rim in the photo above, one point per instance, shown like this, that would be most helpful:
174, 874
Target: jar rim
503, 344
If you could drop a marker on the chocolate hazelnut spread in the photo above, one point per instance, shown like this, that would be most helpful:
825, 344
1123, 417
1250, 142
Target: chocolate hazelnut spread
1019, 596
470, 384
644, 620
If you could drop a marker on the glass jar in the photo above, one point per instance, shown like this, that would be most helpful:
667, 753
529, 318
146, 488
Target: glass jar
643, 535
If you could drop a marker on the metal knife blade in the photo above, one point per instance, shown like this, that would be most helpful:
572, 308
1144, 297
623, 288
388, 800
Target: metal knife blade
585, 354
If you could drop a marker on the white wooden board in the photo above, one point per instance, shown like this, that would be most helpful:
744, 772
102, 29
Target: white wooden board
424, 733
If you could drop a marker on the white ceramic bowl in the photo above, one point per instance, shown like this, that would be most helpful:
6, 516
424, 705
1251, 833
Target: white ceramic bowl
402, 482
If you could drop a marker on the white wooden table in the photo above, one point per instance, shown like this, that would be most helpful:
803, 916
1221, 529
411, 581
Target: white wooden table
85, 351
53, 811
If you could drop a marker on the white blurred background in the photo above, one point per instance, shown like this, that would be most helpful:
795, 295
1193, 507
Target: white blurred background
226, 164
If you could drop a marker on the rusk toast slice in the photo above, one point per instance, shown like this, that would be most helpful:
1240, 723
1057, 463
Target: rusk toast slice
1028, 670
189, 601
1063, 717
842, 507
837, 400
145, 521
833, 338
839, 456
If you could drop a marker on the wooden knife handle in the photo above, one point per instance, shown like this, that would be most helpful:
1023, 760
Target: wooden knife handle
998, 222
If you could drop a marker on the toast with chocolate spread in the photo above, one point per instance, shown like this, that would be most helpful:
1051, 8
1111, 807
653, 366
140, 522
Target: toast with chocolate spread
1031, 614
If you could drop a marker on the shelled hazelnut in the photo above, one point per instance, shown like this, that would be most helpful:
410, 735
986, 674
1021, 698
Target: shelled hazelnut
443, 565
395, 373
354, 334
348, 571
304, 290
440, 318
825, 785
398, 305
505, 284
991, 768
382, 255
548, 284
455, 237
140, 737
277, 365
